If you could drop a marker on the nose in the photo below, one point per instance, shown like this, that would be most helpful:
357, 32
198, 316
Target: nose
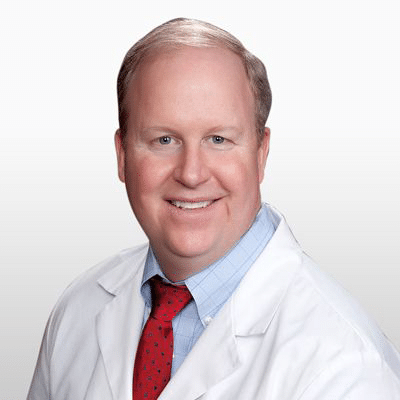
192, 168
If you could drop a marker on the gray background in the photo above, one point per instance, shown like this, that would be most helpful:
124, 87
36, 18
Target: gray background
333, 168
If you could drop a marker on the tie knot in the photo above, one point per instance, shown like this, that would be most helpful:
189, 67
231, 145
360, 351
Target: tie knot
167, 299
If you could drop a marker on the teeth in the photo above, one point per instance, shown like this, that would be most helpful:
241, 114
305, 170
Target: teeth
190, 205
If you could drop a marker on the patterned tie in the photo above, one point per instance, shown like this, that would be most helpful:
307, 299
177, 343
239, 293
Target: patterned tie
154, 354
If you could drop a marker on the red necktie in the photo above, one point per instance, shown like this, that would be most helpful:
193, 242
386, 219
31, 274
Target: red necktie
154, 353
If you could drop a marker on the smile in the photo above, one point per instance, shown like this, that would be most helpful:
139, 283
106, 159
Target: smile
190, 205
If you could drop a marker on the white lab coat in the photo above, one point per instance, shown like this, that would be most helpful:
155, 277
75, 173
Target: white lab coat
287, 333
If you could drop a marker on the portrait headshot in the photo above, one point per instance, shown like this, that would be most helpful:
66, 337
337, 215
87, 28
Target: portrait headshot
201, 201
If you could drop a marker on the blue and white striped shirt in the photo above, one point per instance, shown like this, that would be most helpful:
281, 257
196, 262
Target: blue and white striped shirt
211, 287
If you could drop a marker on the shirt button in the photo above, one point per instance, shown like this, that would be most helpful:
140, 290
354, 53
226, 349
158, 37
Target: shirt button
207, 320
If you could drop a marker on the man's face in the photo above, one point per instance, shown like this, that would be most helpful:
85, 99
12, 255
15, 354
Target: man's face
192, 163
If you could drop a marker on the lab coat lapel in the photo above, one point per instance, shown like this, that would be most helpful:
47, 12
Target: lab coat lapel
212, 359
122, 315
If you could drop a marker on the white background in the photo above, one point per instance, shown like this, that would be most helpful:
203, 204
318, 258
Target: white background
333, 169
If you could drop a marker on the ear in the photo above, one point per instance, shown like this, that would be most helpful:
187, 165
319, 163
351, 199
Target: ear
119, 147
263, 153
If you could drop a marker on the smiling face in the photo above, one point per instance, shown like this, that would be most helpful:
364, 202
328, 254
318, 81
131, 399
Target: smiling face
191, 160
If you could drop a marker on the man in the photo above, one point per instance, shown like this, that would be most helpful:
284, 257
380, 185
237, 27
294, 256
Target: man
245, 313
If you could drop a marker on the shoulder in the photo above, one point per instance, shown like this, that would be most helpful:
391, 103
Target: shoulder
341, 330
70, 342
307, 291
327, 296
93, 289
309, 324
333, 346
123, 264
353, 358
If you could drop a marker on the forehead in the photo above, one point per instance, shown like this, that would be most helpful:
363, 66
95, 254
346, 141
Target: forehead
207, 80
216, 57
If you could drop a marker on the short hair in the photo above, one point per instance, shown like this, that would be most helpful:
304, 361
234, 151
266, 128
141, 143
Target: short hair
180, 32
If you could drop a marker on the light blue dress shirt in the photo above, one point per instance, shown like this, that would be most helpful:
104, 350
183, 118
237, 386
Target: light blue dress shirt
211, 287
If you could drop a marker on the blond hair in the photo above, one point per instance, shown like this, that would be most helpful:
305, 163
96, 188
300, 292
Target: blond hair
190, 32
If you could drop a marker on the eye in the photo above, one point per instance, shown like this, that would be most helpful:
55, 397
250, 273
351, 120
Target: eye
165, 140
218, 139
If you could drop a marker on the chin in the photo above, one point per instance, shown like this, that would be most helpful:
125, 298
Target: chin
192, 246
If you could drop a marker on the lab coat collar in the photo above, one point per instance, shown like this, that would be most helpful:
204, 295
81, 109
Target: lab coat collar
267, 281
128, 266
123, 314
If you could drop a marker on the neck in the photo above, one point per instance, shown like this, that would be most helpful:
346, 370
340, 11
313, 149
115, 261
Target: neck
177, 268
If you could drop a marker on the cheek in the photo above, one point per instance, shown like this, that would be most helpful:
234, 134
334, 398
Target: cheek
240, 174
145, 175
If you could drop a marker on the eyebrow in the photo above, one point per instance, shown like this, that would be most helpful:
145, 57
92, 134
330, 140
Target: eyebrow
221, 129
213, 130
